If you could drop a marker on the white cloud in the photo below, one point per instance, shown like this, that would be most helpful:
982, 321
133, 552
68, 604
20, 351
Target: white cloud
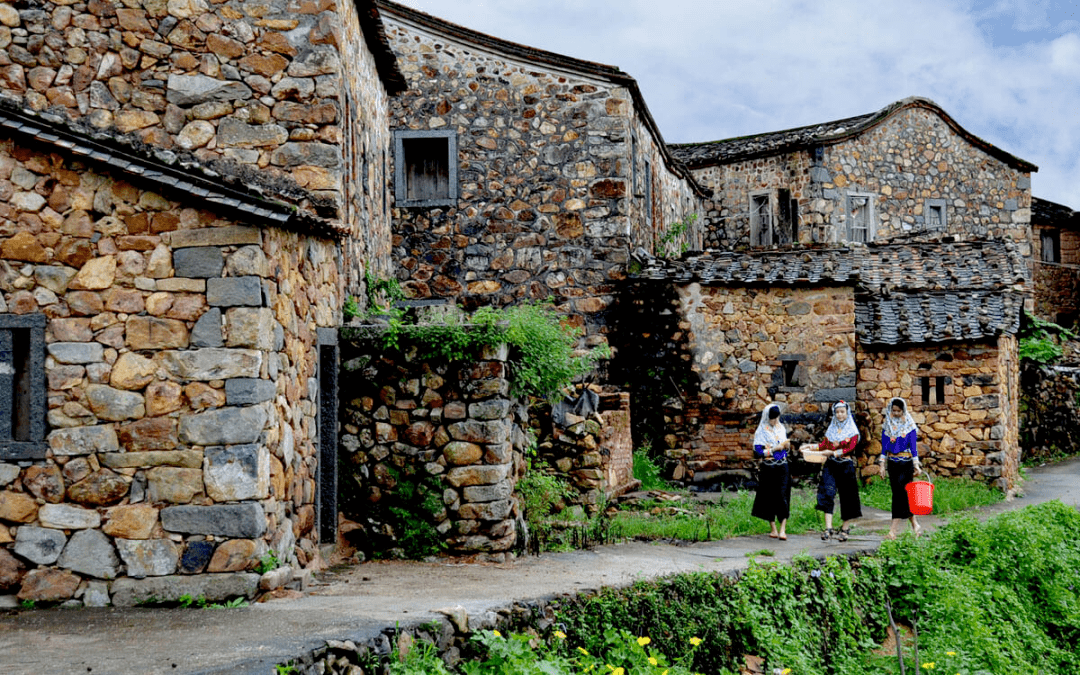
712, 70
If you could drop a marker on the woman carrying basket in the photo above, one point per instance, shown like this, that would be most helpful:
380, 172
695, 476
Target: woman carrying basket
838, 473
771, 444
899, 448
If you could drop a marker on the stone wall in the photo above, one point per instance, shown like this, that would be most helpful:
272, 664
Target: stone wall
1049, 412
1057, 293
667, 200
179, 384
974, 431
262, 84
441, 441
912, 157
544, 174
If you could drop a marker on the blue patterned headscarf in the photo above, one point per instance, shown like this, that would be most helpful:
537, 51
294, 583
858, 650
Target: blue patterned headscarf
894, 428
841, 431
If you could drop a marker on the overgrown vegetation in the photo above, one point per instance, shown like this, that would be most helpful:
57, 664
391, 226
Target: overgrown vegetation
1040, 340
409, 512
543, 349
648, 471
950, 494
555, 525
672, 241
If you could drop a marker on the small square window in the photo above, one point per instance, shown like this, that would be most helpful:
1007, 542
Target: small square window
425, 168
936, 214
22, 386
791, 373
932, 389
1050, 246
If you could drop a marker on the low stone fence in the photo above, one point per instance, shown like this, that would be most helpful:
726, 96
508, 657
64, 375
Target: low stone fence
430, 450
1049, 411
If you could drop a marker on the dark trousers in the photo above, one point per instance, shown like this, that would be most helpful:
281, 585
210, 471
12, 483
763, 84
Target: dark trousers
838, 477
773, 500
901, 472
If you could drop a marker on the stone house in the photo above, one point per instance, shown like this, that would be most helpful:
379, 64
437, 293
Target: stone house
934, 323
908, 170
1056, 233
188, 191
522, 174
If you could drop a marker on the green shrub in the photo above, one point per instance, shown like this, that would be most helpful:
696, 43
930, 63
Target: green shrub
1040, 340
648, 471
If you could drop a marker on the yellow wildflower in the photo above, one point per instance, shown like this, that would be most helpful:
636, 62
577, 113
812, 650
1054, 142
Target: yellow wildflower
695, 641
929, 665
559, 634
950, 653
785, 671
653, 661
582, 650
618, 671
643, 641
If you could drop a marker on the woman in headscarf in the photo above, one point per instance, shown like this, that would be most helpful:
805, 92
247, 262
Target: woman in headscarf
838, 473
771, 444
899, 449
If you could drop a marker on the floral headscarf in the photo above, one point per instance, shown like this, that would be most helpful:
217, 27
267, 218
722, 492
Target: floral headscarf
768, 435
897, 429
841, 431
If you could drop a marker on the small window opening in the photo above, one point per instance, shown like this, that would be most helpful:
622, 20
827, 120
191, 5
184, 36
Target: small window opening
1050, 241
785, 220
791, 373
427, 168
935, 217
761, 220
22, 386
859, 218
933, 389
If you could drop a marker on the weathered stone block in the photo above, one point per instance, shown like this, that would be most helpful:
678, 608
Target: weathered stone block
151, 433
227, 520
39, 545
235, 555
210, 364
46, 585
480, 432
77, 352
132, 521
188, 459
173, 485
151, 332
44, 482
114, 404
181, 285
234, 292
223, 426
189, 90
236, 473
8, 473
96, 594
232, 235
101, 488
248, 391
250, 327
462, 453
477, 475
67, 517
10, 571
196, 556
132, 371
198, 262
16, 507
232, 133
489, 410
495, 510
213, 587
148, 557
207, 331
90, 552
488, 493
83, 440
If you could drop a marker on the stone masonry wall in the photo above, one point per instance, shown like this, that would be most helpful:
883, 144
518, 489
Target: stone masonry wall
543, 208
974, 432
1057, 292
259, 83
910, 158
180, 389
448, 430
1050, 411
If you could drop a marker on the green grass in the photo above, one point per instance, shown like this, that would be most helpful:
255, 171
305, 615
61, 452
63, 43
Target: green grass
727, 518
950, 495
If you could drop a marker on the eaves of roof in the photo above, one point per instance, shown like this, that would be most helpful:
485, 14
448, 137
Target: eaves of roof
159, 170
556, 61
375, 36
1045, 213
726, 151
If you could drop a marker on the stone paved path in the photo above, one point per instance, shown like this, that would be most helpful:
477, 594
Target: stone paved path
358, 603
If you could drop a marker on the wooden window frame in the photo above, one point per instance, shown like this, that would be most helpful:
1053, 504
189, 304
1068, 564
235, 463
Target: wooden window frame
402, 162
24, 396
849, 212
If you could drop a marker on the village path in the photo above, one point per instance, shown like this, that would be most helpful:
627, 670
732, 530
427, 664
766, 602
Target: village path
358, 603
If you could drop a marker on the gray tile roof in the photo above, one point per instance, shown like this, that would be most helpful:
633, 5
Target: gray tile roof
725, 151
904, 293
164, 170
1045, 213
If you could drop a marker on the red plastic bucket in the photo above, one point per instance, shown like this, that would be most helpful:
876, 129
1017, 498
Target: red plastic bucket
920, 495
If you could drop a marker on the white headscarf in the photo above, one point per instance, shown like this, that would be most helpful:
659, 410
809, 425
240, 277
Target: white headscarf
894, 428
841, 431
768, 435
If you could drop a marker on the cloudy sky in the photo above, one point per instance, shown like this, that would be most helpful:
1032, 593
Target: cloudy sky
1006, 70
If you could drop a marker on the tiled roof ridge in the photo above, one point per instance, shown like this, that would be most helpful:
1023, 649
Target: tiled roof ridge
222, 185
379, 45
787, 140
611, 73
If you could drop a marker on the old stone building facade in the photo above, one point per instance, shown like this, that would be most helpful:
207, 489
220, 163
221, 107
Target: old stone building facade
1056, 233
908, 170
181, 219
547, 172
932, 323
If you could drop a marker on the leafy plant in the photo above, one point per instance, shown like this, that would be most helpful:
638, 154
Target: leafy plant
235, 603
648, 471
1040, 340
288, 668
268, 561
28, 604
671, 241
